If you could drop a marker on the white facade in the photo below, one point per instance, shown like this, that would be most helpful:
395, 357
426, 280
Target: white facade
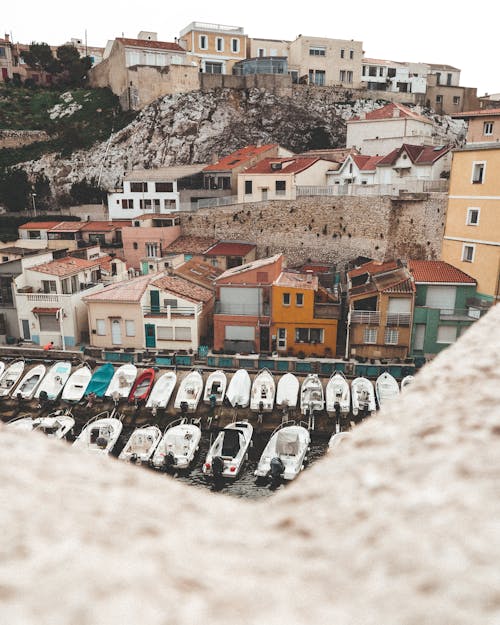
129, 204
394, 76
350, 173
381, 136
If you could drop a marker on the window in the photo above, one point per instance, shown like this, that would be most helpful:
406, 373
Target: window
438, 78
2, 51
468, 253
164, 187
478, 173
370, 336
319, 77
472, 216
34, 234
248, 187
224, 182
317, 51
48, 323
138, 187
100, 326
456, 99
487, 128
152, 250
280, 187
127, 203
235, 45
129, 327
135, 245
446, 334
342, 53
448, 79
281, 338
261, 52
286, 299
381, 71
439, 99
170, 302
203, 42
391, 336
49, 286
6, 296
219, 44
342, 75
351, 54
364, 70
391, 72
372, 70
183, 334
309, 335
299, 299
65, 286
213, 68
349, 77
164, 333
145, 204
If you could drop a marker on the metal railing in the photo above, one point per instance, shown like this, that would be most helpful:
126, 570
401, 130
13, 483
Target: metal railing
371, 317
225, 200
170, 311
408, 186
457, 314
398, 319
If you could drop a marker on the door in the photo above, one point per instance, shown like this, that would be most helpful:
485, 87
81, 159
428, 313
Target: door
26, 329
154, 299
418, 343
144, 268
264, 193
264, 338
116, 332
281, 338
150, 331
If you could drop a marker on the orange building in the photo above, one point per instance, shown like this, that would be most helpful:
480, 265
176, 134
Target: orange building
304, 316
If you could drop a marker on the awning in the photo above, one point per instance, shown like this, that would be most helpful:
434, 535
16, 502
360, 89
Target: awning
45, 311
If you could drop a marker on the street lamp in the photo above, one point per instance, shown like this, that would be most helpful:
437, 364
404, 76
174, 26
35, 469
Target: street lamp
33, 196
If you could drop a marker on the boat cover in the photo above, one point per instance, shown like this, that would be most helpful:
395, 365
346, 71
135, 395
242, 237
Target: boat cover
231, 443
99, 382
287, 443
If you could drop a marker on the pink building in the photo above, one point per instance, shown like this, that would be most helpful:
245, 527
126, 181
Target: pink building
148, 237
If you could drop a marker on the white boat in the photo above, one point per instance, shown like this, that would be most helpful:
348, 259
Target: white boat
338, 394
55, 425
2, 367
363, 396
386, 388
287, 392
238, 390
406, 381
122, 382
337, 439
30, 382
311, 395
11, 377
100, 434
228, 452
285, 454
162, 391
215, 387
53, 383
263, 392
76, 385
23, 424
178, 446
141, 444
190, 392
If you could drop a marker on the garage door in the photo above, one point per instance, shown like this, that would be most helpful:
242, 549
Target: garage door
240, 333
441, 297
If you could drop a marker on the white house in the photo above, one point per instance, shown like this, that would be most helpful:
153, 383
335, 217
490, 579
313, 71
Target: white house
356, 169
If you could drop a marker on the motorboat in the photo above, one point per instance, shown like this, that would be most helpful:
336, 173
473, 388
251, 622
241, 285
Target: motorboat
285, 454
100, 380
287, 392
141, 444
178, 446
228, 453
54, 381
238, 390
337, 439
362, 396
311, 395
2, 367
11, 377
162, 390
142, 386
215, 388
338, 395
122, 382
386, 388
22, 423
406, 381
55, 425
263, 392
100, 434
77, 384
30, 382
189, 393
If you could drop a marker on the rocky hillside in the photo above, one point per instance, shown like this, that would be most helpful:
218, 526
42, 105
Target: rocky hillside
193, 127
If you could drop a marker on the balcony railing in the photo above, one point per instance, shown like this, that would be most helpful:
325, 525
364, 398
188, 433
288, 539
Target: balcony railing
327, 311
409, 186
169, 311
461, 314
371, 317
398, 319
249, 310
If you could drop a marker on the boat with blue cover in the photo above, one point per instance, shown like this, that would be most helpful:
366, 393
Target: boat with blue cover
100, 380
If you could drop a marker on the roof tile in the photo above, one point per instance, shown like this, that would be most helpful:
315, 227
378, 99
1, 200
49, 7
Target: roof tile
429, 271
240, 157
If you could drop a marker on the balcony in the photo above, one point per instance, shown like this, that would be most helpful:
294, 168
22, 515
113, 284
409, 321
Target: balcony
461, 314
371, 317
326, 311
171, 312
244, 309
398, 319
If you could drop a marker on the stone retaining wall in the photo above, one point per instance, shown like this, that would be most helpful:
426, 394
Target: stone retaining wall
18, 138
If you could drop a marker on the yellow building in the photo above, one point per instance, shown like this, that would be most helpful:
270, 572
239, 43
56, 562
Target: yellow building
214, 47
472, 232
304, 316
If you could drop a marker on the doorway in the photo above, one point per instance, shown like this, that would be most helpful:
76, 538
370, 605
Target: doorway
26, 329
116, 332
264, 338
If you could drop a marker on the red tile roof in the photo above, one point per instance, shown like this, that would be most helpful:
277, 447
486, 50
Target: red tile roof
147, 43
105, 226
405, 286
127, 291
366, 163
198, 272
226, 248
480, 113
387, 112
183, 288
189, 245
297, 280
373, 267
290, 165
419, 154
39, 225
430, 271
68, 226
240, 157
66, 266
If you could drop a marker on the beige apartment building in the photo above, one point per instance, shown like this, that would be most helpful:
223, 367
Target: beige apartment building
214, 48
267, 47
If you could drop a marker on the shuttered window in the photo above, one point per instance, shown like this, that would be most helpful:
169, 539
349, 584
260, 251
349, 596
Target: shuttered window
183, 334
164, 333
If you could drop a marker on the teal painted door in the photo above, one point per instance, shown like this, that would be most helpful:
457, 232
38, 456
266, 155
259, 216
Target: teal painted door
144, 268
150, 330
154, 298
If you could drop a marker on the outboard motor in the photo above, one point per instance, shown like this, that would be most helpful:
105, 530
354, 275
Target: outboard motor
217, 467
277, 469
133, 458
213, 400
101, 442
184, 408
337, 416
169, 460
43, 397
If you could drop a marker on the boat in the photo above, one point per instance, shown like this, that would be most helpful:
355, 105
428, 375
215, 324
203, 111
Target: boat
178, 446
228, 453
386, 388
287, 392
30, 382
11, 377
285, 454
311, 395
141, 444
337, 439
215, 388
122, 382
100, 380
238, 390
76, 385
142, 386
338, 395
406, 381
100, 434
190, 391
263, 392
54, 381
2, 367
363, 396
22, 423
162, 390
55, 425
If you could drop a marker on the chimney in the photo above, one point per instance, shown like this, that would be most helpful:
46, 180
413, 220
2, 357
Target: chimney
214, 158
362, 115
309, 276
395, 112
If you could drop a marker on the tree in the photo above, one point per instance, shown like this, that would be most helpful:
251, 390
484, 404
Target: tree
15, 189
39, 56
85, 192
42, 191
73, 69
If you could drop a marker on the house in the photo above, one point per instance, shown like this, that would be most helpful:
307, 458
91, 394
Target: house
414, 162
66, 235
262, 65
471, 239
156, 191
104, 233
36, 231
190, 247
49, 300
355, 170
445, 95
229, 254
278, 178
147, 238
395, 76
95, 53
258, 47
242, 319
326, 62
381, 299
304, 316
445, 305
7, 62
214, 48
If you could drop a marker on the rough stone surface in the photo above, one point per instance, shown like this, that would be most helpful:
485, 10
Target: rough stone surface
398, 527
18, 138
